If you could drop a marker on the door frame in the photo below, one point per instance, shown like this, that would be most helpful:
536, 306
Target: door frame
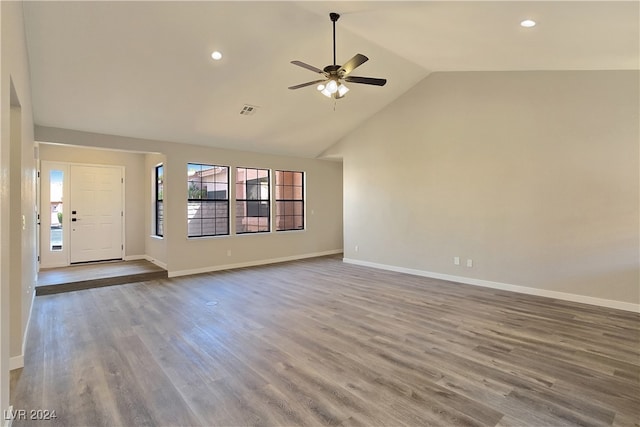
64, 260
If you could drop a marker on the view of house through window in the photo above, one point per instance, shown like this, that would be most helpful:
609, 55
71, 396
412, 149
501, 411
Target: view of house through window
208, 200
208, 209
289, 200
252, 200
56, 179
159, 200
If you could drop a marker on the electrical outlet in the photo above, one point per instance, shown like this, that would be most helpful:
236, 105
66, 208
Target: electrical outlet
469, 263
356, 248
228, 252
456, 260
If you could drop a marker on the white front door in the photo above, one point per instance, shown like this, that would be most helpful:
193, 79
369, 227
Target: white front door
95, 213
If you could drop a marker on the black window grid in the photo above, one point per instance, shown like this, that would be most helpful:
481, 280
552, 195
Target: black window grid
290, 210
208, 211
253, 214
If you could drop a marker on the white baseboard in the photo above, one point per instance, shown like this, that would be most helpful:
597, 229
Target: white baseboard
147, 258
251, 263
619, 305
47, 266
16, 362
156, 262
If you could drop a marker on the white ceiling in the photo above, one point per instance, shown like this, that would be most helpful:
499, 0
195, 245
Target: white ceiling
143, 69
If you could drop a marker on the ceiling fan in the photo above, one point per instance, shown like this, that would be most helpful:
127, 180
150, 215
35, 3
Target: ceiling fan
332, 84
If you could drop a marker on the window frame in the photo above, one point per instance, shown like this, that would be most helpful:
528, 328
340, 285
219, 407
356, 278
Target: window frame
262, 202
214, 201
293, 199
158, 199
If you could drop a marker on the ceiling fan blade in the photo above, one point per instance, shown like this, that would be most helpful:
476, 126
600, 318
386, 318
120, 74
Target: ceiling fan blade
366, 80
305, 84
308, 67
352, 64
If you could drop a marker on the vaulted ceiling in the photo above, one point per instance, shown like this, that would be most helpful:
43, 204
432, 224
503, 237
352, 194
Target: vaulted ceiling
143, 69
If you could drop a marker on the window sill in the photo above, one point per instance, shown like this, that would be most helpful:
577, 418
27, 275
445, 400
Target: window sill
222, 236
258, 233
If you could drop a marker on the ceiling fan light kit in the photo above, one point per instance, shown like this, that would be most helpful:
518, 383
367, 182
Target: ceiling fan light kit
332, 85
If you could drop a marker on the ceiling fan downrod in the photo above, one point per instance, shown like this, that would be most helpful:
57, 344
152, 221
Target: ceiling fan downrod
334, 17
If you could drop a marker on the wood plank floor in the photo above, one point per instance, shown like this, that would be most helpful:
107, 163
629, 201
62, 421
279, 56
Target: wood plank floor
319, 342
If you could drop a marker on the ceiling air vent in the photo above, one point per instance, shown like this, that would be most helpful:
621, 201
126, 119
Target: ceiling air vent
248, 110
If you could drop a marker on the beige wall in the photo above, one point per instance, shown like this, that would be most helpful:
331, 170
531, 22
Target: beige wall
532, 175
324, 225
182, 255
17, 193
134, 165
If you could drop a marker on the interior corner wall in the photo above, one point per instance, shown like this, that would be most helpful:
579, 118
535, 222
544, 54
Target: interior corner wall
15, 231
15, 94
534, 176
134, 190
323, 205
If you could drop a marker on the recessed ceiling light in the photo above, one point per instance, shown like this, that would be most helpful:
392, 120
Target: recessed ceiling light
216, 55
528, 23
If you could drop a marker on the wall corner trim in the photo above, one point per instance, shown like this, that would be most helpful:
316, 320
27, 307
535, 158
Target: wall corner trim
618, 305
26, 329
17, 362
212, 268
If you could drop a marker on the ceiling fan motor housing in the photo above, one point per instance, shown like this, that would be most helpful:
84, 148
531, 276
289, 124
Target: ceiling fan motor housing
332, 69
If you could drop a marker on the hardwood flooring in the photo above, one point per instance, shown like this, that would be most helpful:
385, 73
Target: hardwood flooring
319, 342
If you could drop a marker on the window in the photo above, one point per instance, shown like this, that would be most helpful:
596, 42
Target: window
289, 200
208, 200
252, 200
56, 179
159, 200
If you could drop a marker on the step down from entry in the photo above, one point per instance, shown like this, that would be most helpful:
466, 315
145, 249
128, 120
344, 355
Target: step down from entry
96, 275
